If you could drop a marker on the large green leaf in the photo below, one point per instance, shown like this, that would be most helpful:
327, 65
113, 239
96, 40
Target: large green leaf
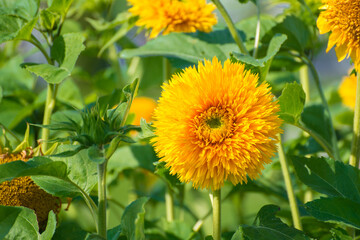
17, 19
49, 73
335, 209
132, 220
329, 177
262, 65
67, 48
292, 102
268, 226
60, 6
21, 223
187, 48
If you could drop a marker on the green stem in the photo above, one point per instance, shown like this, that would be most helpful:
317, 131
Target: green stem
49, 107
217, 214
289, 188
102, 199
304, 79
231, 26
258, 28
91, 205
166, 69
355, 148
37, 44
324, 102
169, 203
318, 139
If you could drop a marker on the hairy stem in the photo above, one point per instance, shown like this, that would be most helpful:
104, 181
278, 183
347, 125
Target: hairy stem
355, 148
289, 188
258, 28
49, 107
169, 203
304, 79
102, 199
217, 214
231, 26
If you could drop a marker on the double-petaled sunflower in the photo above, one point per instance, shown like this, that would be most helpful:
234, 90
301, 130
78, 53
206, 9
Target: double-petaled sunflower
24, 192
165, 16
216, 123
341, 17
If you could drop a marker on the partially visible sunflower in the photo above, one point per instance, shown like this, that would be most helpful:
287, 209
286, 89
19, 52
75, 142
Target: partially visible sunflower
166, 16
142, 107
347, 91
24, 192
216, 123
341, 17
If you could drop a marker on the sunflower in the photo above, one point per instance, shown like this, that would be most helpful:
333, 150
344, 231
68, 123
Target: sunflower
24, 192
216, 123
347, 91
341, 17
168, 16
142, 107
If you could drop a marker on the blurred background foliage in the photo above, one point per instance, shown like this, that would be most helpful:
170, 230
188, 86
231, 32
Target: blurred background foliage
113, 58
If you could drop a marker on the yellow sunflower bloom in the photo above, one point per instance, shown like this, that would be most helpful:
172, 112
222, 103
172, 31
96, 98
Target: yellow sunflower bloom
142, 107
24, 192
341, 17
216, 123
347, 91
166, 16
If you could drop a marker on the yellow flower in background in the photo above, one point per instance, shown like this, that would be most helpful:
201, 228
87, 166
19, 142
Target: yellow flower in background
166, 16
24, 192
216, 123
347, 91
341, 17
142, 107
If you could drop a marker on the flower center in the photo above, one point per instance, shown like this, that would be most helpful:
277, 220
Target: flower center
214, 125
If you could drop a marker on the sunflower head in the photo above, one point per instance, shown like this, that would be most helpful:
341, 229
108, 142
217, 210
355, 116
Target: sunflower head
165, 16
142, 107
24, 192
216, 123
347, 91
341, 17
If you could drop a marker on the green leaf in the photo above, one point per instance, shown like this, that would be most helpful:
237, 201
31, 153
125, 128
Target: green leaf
147, 131
50, 227
114, 233
340, 234
69, 231
67, 48
248, 25
1, 93
17, 19
335, 209
82, 171
329, 177
133, 156
262, 65
187, 48
296, 30
49, 73
60, 6
292, 102
48, 20
95, 154
20, 223
315, 118
132, 220
163, 172
268, 226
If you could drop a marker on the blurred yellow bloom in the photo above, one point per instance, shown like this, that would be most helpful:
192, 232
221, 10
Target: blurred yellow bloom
216, 123
341, 17
166, 16
142, 107
347, 91
24, 192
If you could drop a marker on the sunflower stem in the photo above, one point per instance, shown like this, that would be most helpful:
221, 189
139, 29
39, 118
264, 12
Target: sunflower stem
169, 203
166, 69
231, 26
326, 106
304, 79
49, 107
102, 199
289, 188
355, 148
217, 214
258, 28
